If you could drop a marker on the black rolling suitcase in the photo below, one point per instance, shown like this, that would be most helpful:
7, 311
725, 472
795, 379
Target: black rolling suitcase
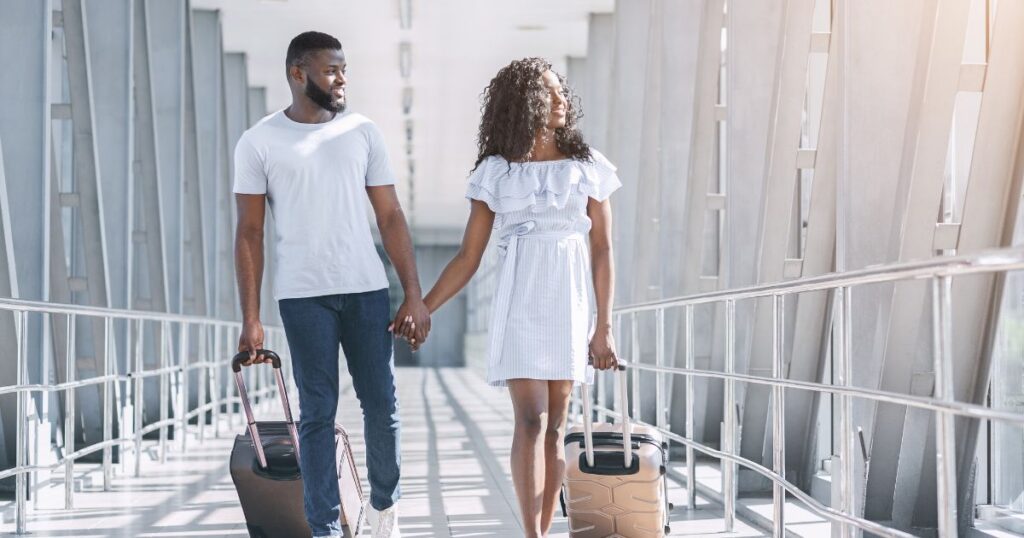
266, 473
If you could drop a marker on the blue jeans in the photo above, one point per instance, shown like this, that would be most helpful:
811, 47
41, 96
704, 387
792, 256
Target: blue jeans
315, 326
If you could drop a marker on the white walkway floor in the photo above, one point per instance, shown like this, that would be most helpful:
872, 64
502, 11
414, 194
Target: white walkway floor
456, 439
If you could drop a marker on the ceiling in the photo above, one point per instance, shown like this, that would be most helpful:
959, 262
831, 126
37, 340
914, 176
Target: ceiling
456, 47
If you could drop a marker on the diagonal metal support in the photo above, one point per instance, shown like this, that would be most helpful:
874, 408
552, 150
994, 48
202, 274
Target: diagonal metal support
194, 261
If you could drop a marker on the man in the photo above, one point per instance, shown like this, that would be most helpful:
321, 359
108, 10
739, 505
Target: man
312, 162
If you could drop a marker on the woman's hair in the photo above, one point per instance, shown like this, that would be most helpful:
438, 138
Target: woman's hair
514, 107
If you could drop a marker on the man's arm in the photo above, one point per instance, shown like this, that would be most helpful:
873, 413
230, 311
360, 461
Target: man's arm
413, 319
249, 269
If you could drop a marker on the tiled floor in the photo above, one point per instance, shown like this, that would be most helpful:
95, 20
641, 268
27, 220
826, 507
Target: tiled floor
456, 439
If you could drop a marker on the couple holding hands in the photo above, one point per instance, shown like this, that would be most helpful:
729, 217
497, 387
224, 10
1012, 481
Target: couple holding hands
536, 185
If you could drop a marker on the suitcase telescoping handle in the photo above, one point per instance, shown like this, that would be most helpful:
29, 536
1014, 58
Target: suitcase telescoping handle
627, 427
254, 434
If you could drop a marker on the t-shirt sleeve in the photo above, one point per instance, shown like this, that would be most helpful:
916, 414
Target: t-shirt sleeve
378, 169
250, 176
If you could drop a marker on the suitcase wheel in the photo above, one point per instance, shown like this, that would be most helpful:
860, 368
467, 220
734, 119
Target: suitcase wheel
671, 506
668, 530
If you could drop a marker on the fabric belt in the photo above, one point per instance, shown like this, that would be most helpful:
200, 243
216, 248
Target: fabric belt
509, 246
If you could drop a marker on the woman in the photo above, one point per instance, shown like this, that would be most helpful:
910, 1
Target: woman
538, 183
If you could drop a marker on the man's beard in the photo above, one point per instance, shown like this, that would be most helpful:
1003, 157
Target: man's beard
323, 98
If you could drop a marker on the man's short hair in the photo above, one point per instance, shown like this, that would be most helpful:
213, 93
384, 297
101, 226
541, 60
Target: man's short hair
308, 43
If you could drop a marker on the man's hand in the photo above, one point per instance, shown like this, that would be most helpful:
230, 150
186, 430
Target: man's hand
251, 340
412, 322
602, 349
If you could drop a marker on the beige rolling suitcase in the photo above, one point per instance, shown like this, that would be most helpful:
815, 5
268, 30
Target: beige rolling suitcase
611, 491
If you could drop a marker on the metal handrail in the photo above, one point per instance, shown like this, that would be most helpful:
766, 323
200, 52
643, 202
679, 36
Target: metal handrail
939, 271
213, 400
963, 409
26, 305
988, 261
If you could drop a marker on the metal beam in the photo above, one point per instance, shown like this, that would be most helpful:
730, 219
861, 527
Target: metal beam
195, 288
8, 288
165, 38
149, 207
813, 323
208, 76
25, 34
600, 51
991, 209
777, 215
878, 42
632, 24
88, 244
680, 34
150, 288
702, 177
898, 437
645, 262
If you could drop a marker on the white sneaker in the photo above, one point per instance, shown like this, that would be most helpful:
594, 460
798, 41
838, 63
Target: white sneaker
385, 523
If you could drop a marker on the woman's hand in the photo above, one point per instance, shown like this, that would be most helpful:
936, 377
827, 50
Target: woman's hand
602, 349
412, 322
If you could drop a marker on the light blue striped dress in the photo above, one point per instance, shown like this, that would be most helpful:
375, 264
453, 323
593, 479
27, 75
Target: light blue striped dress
542, 313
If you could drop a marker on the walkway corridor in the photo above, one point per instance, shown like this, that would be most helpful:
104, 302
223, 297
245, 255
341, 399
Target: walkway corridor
456, 439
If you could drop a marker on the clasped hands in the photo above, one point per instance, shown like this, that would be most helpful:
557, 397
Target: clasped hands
412, 322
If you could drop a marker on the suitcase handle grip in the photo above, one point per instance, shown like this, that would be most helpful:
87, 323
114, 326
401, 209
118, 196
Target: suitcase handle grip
239, 360
627, 428
282, 391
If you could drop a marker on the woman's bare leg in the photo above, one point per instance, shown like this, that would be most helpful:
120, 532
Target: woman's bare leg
559, 393
530, 402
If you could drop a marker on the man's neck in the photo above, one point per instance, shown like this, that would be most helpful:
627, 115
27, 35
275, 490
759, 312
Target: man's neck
308, 113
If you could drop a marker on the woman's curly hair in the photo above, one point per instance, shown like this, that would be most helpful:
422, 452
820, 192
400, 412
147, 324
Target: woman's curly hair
515, 106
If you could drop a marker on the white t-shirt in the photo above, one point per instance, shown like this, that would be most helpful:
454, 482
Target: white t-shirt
315, 177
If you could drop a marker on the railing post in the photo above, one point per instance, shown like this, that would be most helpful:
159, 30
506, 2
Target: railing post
165, 344
729, 430
126, 422
778, 415
945, 454
69, 416
844, 372
108, 430
201, 374
183, 344
634, 350
661, 409
139, 398
691, 463
216, 391
600, 413
21, 480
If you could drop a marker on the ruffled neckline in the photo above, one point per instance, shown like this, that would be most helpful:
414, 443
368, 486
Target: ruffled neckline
549, 161
540, 185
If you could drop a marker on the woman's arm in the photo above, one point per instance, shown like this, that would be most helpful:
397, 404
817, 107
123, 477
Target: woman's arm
602, 345
462, 267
